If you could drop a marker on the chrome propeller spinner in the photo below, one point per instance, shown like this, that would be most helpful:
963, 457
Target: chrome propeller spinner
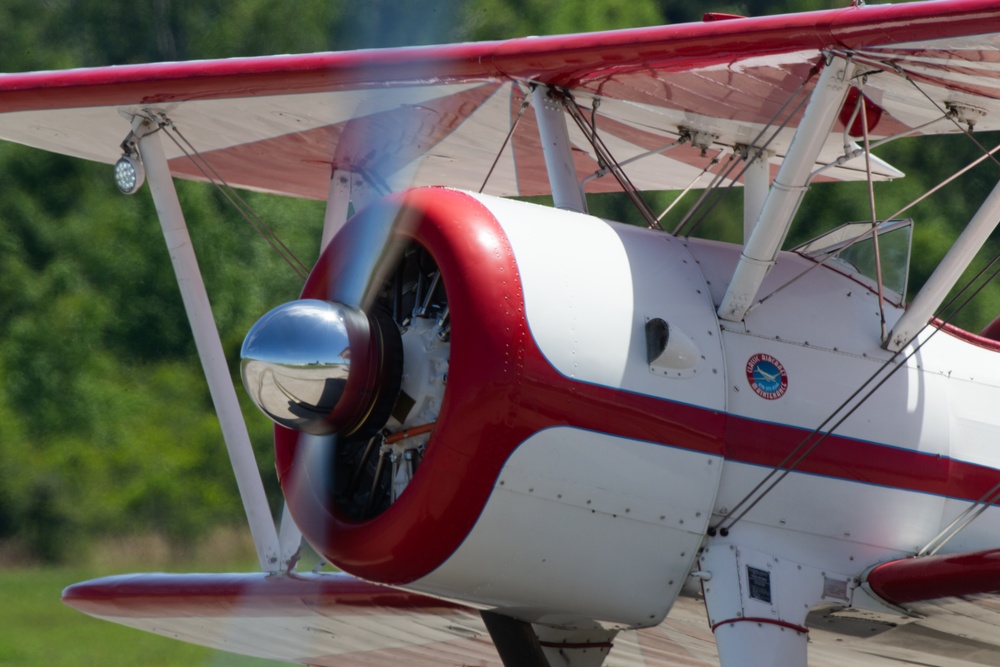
332, 365
322, 367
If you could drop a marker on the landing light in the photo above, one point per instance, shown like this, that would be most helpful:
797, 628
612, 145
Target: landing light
129, 174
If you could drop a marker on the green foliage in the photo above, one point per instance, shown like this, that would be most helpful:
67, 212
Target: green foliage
106, 422
497, 19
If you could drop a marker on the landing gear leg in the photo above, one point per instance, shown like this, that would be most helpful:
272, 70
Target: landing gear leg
521, 644
757, 606
515, 640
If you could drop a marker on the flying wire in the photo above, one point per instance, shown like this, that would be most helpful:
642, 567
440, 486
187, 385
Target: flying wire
948, 311
971, 513
231, 195
605, 159
714, 161
871, 203
710, 189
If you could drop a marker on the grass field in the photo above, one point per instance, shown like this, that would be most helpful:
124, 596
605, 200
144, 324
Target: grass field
37, 629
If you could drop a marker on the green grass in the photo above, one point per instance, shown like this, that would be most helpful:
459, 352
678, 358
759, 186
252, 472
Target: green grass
36, 628
39, 630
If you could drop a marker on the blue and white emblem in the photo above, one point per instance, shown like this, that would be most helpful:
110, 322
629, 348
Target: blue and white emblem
767, 377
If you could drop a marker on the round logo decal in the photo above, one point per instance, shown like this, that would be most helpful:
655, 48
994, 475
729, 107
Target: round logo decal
767, 376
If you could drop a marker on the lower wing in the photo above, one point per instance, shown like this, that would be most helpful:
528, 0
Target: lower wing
334, 620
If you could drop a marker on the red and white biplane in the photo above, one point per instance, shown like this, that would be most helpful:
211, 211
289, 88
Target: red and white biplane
576, 438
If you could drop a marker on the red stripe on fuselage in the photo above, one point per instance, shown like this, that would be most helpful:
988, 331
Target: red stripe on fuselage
617, 412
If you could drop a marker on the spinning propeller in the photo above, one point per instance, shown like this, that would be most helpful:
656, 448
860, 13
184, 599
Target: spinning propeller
331, 365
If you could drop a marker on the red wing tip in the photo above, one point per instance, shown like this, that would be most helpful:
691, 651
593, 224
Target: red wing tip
926, 578
246, 594
711, 17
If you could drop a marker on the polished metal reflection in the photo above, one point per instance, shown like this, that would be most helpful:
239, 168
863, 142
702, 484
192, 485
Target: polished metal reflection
296, 361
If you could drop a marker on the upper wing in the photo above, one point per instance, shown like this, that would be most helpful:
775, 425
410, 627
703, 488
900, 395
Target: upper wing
442, 115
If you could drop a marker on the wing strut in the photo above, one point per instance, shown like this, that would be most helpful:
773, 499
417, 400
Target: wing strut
206, 338
558, 151
789, 185
756, 181
947, 273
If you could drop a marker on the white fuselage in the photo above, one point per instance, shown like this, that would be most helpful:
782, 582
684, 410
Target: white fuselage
588, 525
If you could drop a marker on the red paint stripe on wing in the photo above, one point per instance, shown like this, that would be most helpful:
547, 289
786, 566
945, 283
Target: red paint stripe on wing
934, 577
567, 60
244, 594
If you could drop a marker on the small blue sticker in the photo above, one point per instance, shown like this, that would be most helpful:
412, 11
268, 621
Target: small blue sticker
767, 377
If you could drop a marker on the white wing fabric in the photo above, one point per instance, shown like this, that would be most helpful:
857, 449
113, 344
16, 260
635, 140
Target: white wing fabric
440, 115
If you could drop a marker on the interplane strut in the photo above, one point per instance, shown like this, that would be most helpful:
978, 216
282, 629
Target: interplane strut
786, 193
209, 345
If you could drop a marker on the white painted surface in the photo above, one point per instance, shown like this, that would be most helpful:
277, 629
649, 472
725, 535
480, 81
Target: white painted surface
582, 316
583, 526
589, 288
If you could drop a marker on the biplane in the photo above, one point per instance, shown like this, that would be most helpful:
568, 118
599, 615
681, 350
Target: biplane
526, 435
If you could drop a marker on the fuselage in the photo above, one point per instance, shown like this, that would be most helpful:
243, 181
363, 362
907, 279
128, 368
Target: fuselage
599, 421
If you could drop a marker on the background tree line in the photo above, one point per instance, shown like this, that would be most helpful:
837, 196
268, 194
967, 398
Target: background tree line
106, 426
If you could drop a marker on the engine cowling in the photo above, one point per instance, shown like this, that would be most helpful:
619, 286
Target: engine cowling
475, 428
397, 505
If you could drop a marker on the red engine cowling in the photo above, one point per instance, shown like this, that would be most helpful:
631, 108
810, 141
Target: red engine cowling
479, 423
500, 390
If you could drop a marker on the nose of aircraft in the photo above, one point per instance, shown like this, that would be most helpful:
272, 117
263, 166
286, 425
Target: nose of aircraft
312, 366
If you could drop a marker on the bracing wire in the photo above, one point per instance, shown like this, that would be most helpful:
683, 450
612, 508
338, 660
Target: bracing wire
712, 188
714, 161
607, 160
807, 446
874, 217
233, 197
971, 513
525, 103
758, 152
